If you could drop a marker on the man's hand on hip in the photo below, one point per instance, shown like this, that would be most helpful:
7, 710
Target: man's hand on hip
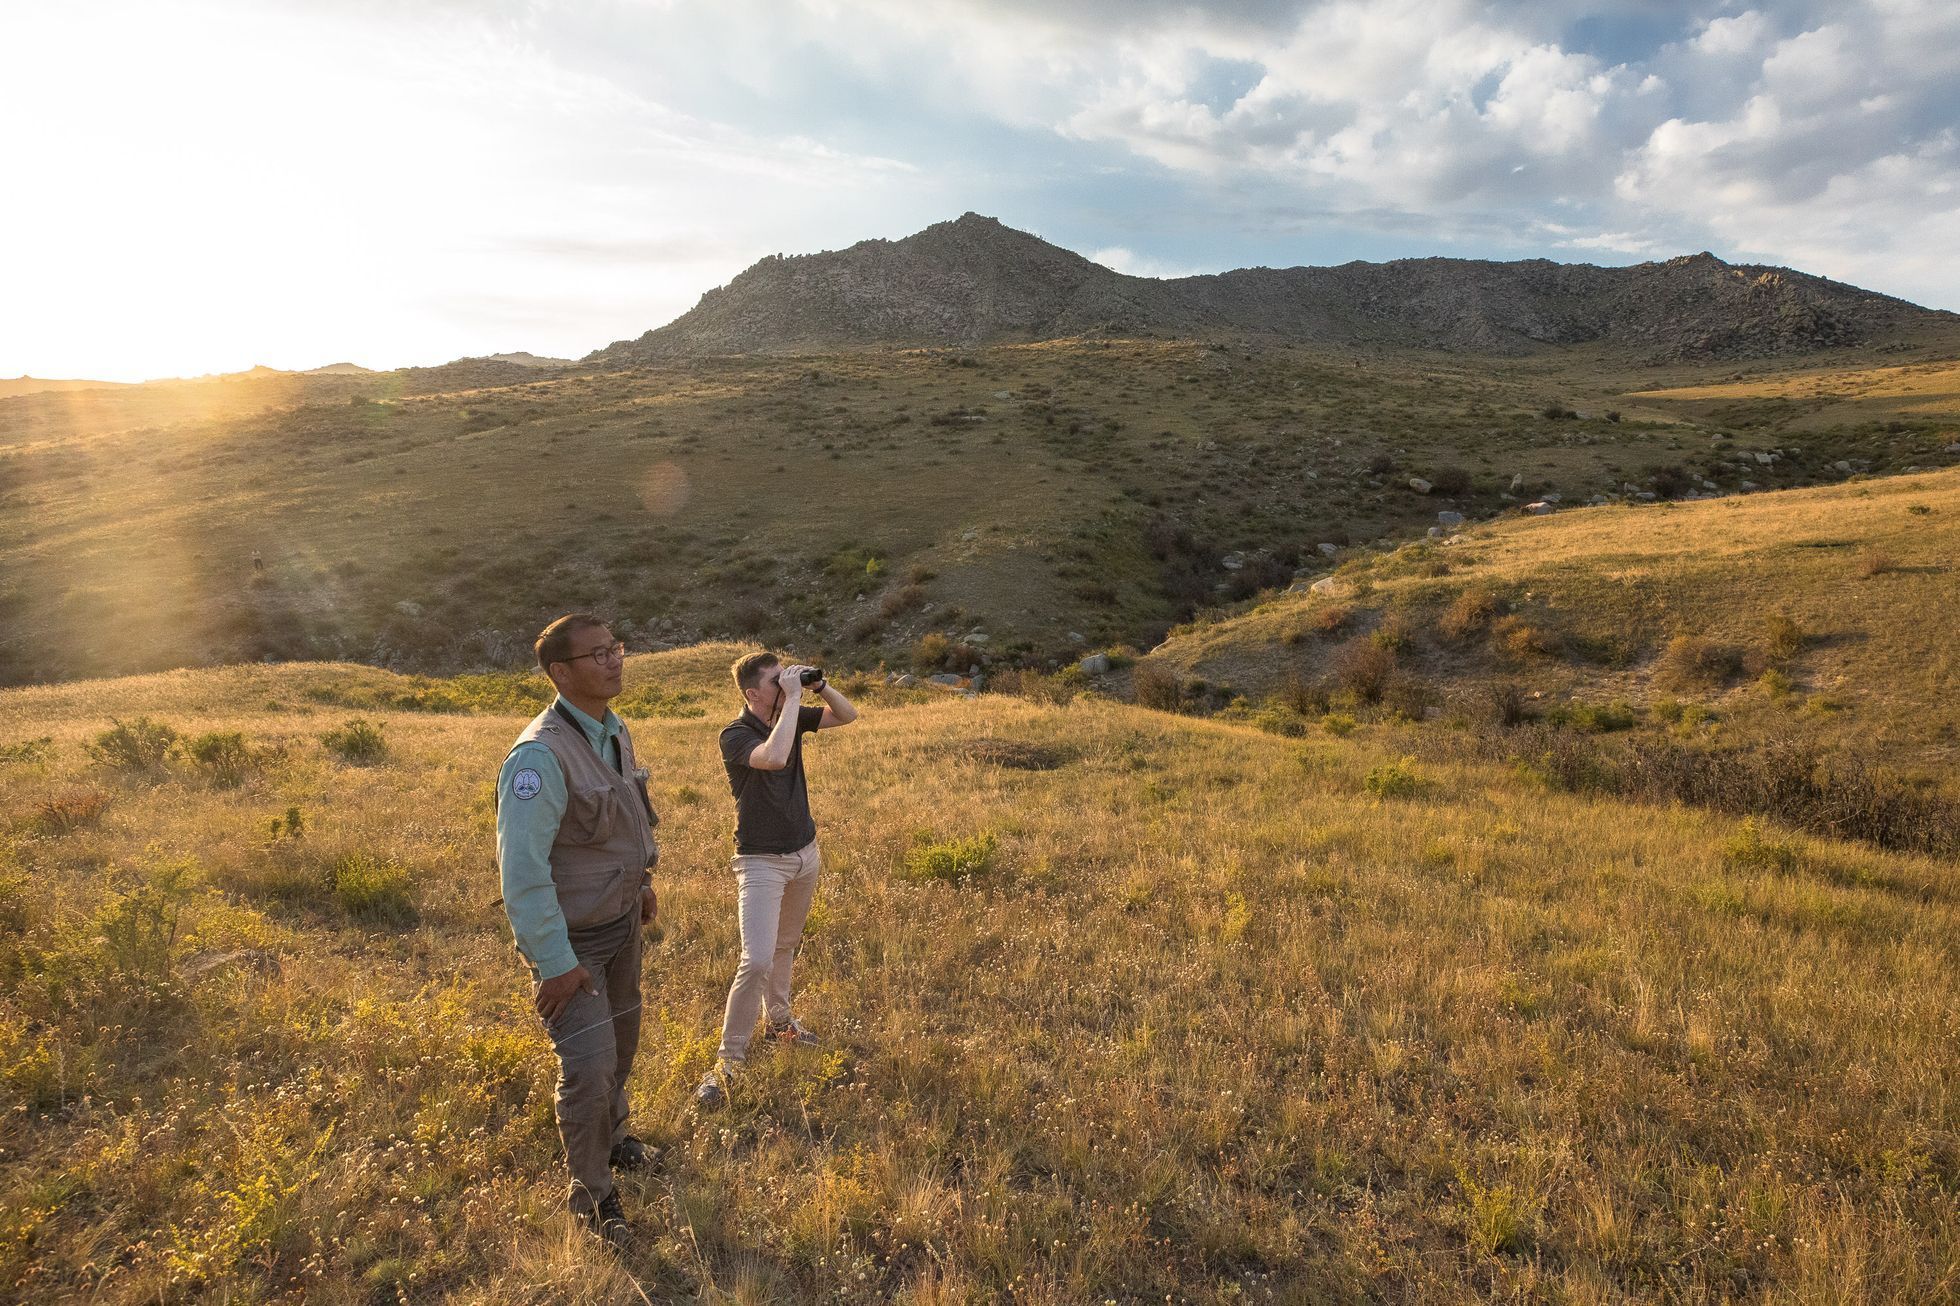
649, 905
556, 993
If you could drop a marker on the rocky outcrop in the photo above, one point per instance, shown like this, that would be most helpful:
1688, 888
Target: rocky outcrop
973, 281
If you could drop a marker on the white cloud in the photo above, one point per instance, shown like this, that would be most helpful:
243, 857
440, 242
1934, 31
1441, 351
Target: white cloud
1118, 259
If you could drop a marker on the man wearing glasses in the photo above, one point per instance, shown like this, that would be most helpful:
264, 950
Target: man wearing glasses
575, 851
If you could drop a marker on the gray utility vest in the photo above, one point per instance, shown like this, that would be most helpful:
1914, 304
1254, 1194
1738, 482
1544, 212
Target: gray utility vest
605, 842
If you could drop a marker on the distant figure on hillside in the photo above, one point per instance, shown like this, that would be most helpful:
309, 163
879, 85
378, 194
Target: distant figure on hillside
575, 852
258, 563
776, 856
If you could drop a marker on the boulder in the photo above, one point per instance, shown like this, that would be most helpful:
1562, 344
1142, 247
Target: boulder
1096, 664
906, 681
1748, 485
1232, 561
1077, 637
1538, 509
1447, 518
1437, 532
1419, 485
1765, 459
946, 679
1325, 585
1842, 465
1328, 550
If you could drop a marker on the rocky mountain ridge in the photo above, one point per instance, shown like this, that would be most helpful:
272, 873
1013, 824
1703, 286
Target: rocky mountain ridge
975, 281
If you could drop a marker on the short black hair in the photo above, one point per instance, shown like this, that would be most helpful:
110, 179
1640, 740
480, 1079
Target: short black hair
555, 641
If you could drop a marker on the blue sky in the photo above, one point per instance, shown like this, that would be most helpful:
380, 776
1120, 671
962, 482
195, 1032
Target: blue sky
214, 183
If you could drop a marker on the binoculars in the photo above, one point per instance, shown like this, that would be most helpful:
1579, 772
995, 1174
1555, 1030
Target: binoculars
811, 675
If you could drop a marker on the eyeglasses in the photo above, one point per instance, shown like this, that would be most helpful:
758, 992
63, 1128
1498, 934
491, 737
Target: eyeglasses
613, 652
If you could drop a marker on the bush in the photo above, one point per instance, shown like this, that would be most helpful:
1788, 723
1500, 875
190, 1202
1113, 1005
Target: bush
1397, 779
1302, 696
1468, 613
1363, 668
1408, 697
224, 754
373, 890
949, 861
1671, 480
1690, 660
80, 810
1503, 703
1394, 633
1330, 620
358, 743
1155, 685
1450, 481
1782, 637
902, 600
1775, 683
1338, 724
28, 750
1519, 641
1747, 849
1876, 562
1557, 412
139, 745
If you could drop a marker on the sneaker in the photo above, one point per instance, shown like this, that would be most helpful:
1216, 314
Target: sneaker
629, 1153
791, 1034
712, 1095
607, 1221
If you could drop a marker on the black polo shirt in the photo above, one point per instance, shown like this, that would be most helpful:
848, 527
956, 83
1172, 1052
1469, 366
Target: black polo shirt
772, 808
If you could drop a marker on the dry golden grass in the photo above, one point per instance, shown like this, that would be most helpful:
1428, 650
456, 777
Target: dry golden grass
1785, 577
1214, 1023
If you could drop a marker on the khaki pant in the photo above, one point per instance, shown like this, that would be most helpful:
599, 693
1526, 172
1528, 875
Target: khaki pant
774, 892
596, 1036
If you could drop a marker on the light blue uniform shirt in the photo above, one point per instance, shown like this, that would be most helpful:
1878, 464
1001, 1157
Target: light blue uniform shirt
530, 804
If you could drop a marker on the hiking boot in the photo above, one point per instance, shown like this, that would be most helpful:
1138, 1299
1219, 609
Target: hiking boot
712, 1095
629, 1153
607, 1222
791, 1033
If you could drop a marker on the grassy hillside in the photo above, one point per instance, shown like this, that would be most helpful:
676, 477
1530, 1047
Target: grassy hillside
1823, 613
429, 519
1120, 1005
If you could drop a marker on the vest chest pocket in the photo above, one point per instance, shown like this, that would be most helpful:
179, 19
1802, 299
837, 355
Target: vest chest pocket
592, 816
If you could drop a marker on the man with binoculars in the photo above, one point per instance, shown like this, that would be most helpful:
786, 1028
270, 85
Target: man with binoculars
776, 855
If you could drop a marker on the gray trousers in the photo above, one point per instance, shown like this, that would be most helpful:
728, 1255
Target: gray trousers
773, 895
596, 1036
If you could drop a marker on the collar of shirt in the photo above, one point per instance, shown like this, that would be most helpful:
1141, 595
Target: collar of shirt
597, 733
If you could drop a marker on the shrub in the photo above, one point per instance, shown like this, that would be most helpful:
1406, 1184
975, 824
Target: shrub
27, 750
1450, 481
1397, 779
1748, 849
1671, 480
1330, 620
1338, 724
1876, 562
1363, 668
1408, 697
1302, 696
80, 810
1520, 641
358, 743
1155, 685
373, 890
1468, 613
1394, 633
139, 745
1690, 660
1557, 412
1380, 464
1775, 683
949, 860
1503, 702
902, 600
929, 654
1782, 636
223, 753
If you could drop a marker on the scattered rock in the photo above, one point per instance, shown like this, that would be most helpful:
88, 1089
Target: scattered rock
1437, 532
906, 681
1419, 485
1645, 496
1842, 465
1003, 394
1550, 498
1096, 664
1538, 509
970, 536
1328, 550
1517, 483
1077, 637
1748, 485
1765, 459
946, 679
1447, 518
1232, 561
1325, 585
1953, 448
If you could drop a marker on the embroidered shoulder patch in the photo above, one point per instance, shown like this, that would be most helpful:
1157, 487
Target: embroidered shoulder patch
526, 783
